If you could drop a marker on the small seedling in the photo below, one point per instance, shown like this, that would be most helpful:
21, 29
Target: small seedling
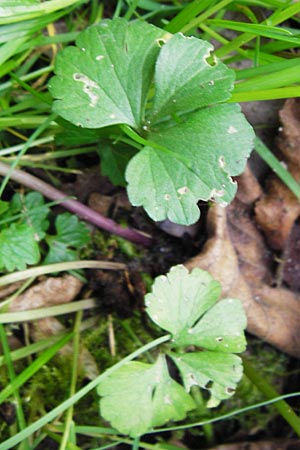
140, 396
158, 99
25, 237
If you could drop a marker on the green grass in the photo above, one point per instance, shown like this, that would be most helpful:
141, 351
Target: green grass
31, 35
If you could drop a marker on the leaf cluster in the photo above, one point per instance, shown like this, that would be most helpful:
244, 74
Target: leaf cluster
140, 396
25, 233
164, 95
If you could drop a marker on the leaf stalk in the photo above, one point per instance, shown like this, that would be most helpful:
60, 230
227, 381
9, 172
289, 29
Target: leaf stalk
81, 210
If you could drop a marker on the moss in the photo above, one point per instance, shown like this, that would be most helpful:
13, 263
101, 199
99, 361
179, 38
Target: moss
129, 335
48, 387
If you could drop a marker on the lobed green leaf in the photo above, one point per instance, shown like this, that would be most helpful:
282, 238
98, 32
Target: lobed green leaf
107, 75
71, 234
146, 396
179, 298
223, 371
167, 88
18, 247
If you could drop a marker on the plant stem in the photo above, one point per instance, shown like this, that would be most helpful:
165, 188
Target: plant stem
282, 406
75, 206
136, 444
27, 144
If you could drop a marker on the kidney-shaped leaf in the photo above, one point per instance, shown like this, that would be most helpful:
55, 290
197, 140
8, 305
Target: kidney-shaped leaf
105, 79
180, 298
140, 396
217, 372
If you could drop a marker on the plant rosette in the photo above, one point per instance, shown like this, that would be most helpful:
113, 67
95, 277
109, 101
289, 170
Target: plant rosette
158, 103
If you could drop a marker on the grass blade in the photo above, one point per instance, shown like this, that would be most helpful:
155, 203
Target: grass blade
34, 367
277, 167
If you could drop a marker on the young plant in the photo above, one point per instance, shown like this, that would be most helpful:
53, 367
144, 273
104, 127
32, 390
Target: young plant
161, 95
24, 233
140, 396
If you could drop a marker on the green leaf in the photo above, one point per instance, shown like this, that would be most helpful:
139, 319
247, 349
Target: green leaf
59, 252
4, 206
168, 89
34, 212
202, 368
71, 235
180, 298
140, 396
114, 159
18, 247
73, 136
71, 231
105, 79
220, 329
185, 80
201, 154
185, 304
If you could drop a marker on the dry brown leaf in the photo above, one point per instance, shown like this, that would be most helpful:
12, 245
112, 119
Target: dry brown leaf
100, 203
276, 213
289, 138
49, 292
291, 262
278, 209
5, 291
236, 256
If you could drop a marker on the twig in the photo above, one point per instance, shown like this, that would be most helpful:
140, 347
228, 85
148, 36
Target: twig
75, 206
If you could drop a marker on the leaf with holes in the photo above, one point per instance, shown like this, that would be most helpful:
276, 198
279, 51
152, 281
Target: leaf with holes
188, 161
179, 298
185, 304
171, 92
156, 397
105, 79
217, 372
219, 329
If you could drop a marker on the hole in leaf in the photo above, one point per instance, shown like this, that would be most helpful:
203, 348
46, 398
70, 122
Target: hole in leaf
209, 384
160, 42
211, 60
229, 390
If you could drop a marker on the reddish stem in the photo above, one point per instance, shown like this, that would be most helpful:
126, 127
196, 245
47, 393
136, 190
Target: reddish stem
75, 206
